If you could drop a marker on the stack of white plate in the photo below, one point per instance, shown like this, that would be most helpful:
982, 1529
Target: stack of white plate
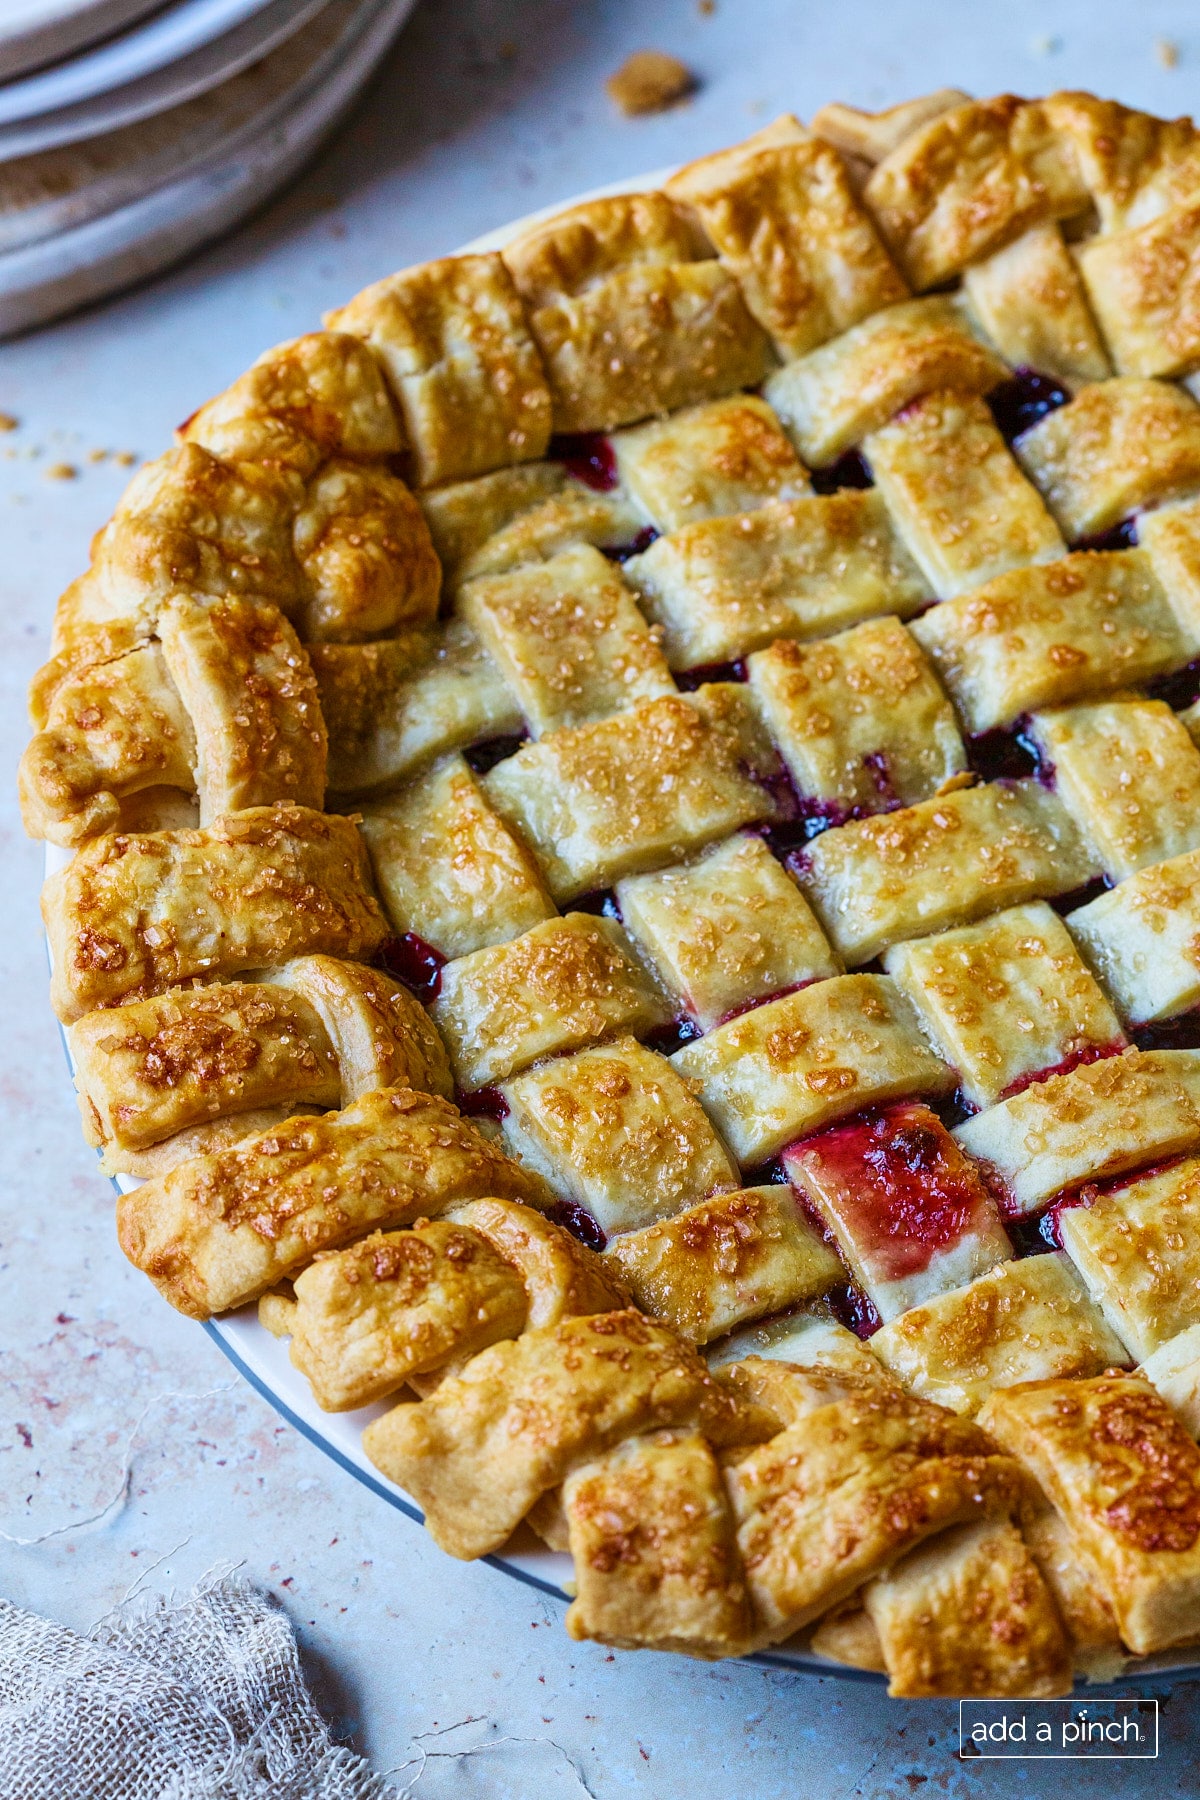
156, 127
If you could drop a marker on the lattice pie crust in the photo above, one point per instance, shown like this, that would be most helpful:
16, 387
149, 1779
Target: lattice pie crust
635, 805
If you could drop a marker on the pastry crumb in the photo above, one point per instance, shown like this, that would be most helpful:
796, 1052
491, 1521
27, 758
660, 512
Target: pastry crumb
1167, 52
706, 8
97, 456
126, 458
61, 472
8, 422
650, 81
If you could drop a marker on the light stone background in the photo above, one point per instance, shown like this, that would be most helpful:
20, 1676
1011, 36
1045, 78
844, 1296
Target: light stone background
486, 110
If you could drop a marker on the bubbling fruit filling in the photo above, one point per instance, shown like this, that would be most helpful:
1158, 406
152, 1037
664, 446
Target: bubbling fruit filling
894, 1187
590, 458
411, 960
1024, 401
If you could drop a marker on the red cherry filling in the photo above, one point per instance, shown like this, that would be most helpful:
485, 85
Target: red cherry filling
590, 458
896, 1184
414, 962
1024, 401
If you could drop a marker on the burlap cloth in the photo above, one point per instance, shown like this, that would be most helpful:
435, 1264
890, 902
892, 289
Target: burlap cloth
194, 1699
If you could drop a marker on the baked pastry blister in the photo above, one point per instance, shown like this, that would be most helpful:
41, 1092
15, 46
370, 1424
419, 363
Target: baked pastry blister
627, 885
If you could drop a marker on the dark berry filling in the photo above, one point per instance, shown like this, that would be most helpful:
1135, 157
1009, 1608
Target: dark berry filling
688, 680
1010, 753
414, 962
851, 470
898, 1181
666, 1039
1179, 690
1024, 401
621, 553
602, 902
1122, 536
483, 1103
484, 756
1032, 1237
854, 1309
1080, 896
579, 1222
1181, 1033
590, 458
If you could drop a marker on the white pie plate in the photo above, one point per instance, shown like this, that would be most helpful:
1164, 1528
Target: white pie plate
264, 1361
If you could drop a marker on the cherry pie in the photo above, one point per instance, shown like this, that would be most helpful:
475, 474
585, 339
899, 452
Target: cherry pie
635, 810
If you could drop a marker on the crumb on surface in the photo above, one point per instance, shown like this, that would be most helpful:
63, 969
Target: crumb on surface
61, 471
126, 458
706, 8
97, 456
8, 422
649, 81
1167, 52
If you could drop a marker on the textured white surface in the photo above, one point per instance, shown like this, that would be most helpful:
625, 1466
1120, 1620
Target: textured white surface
487, 109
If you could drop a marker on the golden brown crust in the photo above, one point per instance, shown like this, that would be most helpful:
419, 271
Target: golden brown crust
448, 868
1081, 627
968, 181
316, 396
849, 1487
656, 1564
629, 320
250, 694
487, 1444
1022, 1321
1118, 446
970, 1613
1030, 301
367, 561
831, 398
962, 506
398, 1303
725, 930
195, 522
154, 1067
595, 802
563, 1279
181, 718
394, 707
1125, 1475
381, 1036
616, 1130
784, 218
460, 362
791, 569
133, 915
725, 1261
1093, 1121
221, 1229
860, 718
727, 456
567, 638
110, 725
785, 1069
1005, 999
564, 984
944, 862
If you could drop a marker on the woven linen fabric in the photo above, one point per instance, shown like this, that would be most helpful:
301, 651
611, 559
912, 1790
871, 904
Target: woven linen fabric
194, 1699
